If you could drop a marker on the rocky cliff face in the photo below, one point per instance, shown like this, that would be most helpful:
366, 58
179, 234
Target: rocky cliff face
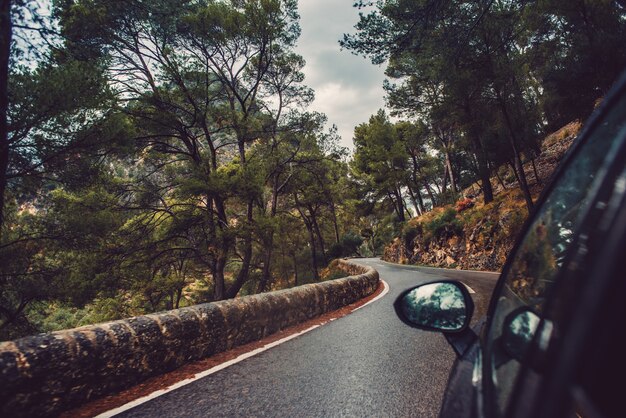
475, 243
476, 236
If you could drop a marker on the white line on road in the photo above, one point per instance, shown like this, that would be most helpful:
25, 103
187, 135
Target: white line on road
200, 375
469, 289
417, 267
383, 293
222, 366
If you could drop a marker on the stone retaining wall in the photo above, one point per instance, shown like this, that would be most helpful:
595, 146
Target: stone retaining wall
45, 374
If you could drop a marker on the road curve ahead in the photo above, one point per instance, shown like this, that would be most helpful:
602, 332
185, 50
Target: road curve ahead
367, 363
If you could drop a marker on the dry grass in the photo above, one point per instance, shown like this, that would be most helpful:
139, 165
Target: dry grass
568, 131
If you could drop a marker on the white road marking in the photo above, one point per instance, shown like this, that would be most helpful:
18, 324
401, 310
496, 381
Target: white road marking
222, 366
469, 289
383, 293
438, 268
200, 375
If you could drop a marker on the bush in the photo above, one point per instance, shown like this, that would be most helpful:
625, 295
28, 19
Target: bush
351, 243
444, 225
409, 233
335, 251
346, 247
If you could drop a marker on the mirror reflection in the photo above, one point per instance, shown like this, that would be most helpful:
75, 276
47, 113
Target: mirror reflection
520, 330
436, 305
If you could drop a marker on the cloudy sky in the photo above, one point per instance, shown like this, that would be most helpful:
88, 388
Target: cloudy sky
348, 89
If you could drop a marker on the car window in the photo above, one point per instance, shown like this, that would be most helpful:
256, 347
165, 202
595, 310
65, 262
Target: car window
542, 250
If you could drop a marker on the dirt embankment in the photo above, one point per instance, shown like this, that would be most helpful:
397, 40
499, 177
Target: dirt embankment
470, 234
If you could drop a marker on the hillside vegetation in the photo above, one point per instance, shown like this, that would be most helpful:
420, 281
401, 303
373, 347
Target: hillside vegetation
156, 154
474, 235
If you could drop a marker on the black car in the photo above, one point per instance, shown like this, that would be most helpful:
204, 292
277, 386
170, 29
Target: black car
552, 342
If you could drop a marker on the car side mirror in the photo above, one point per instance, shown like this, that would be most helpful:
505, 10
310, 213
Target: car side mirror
518, 333
444, 306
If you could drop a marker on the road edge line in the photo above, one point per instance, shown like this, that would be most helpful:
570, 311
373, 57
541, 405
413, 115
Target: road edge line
201, 375
383, 293
416, 266
469, 289
129, 405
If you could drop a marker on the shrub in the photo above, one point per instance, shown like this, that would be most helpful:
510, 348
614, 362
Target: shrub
445, 224
351, 243
409, 232
335, 251
346, 247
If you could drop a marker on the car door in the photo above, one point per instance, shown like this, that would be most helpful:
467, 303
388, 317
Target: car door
542, 282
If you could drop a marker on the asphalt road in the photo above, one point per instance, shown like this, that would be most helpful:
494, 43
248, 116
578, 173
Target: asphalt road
367, 363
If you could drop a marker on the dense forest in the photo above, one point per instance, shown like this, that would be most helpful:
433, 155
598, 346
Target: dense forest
156, 154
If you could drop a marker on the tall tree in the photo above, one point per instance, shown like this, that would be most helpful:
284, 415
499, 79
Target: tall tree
380, 161
203, 102
6, 32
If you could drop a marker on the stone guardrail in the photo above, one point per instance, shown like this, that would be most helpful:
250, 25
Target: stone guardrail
45, 374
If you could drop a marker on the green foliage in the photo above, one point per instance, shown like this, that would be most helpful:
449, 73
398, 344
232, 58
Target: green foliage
409, 233
144, 176
336, 250
444, 225
147, 176
347, 247
490, 78
351, 242
380, 161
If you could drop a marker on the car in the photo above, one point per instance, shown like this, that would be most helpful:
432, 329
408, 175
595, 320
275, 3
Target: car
551, 344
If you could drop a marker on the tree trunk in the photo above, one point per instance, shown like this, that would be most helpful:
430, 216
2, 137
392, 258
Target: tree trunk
444, 179
519, 167
395, 205
10, 316
450, 172
483, 168
481, 157
418, 209
295, 268
244, 271
267, 261
408, 212
221, 252
398, 195
532, 160
500, 179
267, 258
335, 224
179, 296
414, 173
309, 228
512, 165
5, 51
420, 201
430, 194
267, 271
318, 232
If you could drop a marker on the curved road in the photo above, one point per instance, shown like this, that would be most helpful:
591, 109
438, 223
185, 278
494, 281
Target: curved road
367, 363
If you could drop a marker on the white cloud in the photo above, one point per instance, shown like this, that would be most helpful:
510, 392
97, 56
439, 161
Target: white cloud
348, 89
